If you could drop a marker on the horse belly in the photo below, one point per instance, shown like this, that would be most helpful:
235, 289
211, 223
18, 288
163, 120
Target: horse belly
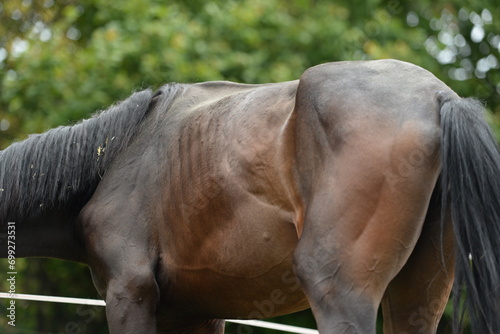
212, 295
245, 274
229, 231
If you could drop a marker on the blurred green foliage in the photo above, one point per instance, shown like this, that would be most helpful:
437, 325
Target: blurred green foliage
61, 60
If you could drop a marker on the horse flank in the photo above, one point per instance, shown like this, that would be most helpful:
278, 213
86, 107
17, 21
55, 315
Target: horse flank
63, 166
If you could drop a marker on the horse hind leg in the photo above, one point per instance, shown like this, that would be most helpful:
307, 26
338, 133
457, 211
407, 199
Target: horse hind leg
416, 298
360, 228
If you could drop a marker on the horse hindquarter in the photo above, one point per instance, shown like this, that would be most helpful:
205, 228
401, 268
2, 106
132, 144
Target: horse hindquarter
367, 173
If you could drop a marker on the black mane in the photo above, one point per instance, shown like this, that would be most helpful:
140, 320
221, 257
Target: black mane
64, 165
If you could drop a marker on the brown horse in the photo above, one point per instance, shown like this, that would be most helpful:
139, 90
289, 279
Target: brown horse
361, 184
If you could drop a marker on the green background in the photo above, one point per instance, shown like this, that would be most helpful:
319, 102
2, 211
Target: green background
60, 61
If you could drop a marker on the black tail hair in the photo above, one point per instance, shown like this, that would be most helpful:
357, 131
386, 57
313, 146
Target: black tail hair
471, 186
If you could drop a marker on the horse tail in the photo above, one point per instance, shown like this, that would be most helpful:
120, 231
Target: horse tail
470, 182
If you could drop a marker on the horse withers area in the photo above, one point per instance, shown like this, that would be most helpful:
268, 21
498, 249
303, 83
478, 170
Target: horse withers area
361, 184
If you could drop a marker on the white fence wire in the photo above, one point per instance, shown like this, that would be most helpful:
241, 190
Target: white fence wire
97, 302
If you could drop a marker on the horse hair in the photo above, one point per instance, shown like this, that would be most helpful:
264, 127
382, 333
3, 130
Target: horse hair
63, 166
470, 182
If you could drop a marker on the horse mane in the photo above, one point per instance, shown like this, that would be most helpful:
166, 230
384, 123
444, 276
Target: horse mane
63, 166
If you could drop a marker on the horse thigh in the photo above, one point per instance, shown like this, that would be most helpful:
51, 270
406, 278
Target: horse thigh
362, 223
416, 298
